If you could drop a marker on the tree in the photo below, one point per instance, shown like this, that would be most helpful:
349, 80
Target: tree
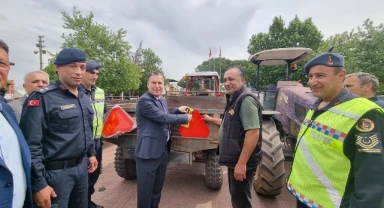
371, 48
297, 34
119, 73
222, 64
362, 48
50, 69
151, 63
345, 43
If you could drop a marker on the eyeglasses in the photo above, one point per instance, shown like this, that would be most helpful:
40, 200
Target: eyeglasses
6, 64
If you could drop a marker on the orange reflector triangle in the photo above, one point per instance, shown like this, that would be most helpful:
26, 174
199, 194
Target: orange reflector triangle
118, 120
196, 127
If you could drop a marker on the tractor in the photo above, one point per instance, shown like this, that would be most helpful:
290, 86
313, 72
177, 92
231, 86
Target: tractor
284, 108
202, 93
285, 105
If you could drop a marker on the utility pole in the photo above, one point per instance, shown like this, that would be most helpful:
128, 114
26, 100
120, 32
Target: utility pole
40, 51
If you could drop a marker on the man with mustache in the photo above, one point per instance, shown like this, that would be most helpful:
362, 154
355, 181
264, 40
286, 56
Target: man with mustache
57, 124
32, 81
15, 157
339, 160
239, 137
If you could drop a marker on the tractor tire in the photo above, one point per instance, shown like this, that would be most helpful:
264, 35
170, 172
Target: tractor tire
270, 172
213, 171
125, 168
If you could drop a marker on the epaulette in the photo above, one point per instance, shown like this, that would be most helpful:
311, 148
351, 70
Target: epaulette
46, 89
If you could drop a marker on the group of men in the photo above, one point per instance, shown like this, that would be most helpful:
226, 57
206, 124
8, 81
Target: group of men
338, 161
50, 139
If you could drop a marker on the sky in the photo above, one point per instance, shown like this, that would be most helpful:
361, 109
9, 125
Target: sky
179, 31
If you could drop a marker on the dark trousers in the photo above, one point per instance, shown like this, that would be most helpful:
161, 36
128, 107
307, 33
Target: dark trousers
241, 190
93, 177
150, 180
301, 205
70, 185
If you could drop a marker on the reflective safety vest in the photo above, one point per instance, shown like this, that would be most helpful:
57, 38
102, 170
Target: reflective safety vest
98, 107
320, 169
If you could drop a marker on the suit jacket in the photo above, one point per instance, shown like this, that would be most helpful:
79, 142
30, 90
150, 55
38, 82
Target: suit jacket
153, 125
6, 193
17, 106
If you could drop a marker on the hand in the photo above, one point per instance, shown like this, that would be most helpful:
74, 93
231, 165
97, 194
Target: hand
240, 171
119, 133
207, 118
183, 109
92, 164
43, 197
189, 117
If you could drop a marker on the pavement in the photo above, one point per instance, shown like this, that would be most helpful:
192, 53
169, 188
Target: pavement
184, 188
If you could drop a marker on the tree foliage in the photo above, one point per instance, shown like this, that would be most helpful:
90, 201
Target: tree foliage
50, 69
151, 63
362, 48
119, 73
297, 34
220, 65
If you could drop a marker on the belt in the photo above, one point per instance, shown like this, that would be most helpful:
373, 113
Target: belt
61, 164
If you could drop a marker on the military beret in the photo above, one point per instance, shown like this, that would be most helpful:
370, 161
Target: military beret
325, 59
91, 65
70, 55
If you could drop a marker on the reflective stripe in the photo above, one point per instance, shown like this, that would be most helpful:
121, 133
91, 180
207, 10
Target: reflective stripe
323, 179
317, 126
302, 198
98, 106
344, 113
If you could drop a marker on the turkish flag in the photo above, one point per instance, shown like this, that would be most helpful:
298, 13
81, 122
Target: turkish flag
33, 103
210, 53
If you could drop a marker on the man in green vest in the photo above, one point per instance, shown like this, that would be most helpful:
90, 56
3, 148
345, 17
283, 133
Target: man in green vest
339, 160
100, 108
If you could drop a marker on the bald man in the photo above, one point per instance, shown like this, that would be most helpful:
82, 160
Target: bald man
32, 81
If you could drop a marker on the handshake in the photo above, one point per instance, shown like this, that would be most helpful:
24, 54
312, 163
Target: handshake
186, 109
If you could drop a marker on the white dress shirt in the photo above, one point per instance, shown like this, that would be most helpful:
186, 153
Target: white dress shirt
10, 153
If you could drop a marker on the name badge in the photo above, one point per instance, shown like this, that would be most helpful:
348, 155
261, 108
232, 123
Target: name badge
66, 107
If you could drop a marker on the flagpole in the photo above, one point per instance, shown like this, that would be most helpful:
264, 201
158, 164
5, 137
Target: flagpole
220, 66
214, 59
209, 59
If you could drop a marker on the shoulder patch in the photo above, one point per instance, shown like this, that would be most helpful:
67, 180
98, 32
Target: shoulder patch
369, 143
33, 103
365, 125
46, 89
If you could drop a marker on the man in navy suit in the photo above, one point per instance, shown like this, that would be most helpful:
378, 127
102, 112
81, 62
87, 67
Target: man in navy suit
153, 140
15, 158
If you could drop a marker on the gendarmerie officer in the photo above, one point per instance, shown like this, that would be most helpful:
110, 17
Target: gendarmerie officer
57, 124
100, 107
339, 157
